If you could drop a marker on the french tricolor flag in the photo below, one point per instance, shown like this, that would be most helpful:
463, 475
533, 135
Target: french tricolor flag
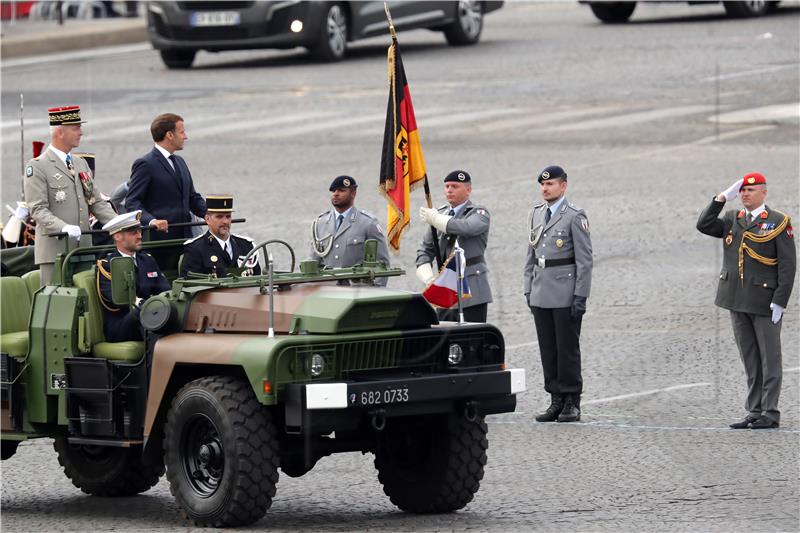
443, 291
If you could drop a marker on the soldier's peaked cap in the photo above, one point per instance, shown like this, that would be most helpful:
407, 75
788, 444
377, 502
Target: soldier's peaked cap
343, 182
65, 115
753, 178
219, 203
460, 176
123, 221
552, 172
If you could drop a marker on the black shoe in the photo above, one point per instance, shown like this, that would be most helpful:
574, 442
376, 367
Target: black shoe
552, 412
743, 424
764, 423
572, 410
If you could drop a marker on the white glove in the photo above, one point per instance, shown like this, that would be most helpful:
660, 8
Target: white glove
434, 218
138, 302
425, 273
777, 313
72, 231
22, 211
733, 191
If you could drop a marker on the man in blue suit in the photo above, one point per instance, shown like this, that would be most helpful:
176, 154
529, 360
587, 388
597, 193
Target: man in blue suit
161, 184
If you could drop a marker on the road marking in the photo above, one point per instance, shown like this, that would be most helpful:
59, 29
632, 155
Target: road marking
429, 120
774, 113
535, 118
733, 134
616, 425
638, 117
795, 369
320, 126
144, 129
237, 125
93, 53
745, 73
643, 393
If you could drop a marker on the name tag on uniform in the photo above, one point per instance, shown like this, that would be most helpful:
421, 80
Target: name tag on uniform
152, 274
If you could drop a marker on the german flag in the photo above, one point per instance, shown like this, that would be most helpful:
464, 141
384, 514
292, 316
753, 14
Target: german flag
402, 162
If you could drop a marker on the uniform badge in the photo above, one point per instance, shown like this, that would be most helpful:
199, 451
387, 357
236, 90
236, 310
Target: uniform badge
729, 239
461, 176
789, 232
482, 212
213, 258
152, 274
28, 171
57, 175
346, 182
61, 195
585, 225
560, 243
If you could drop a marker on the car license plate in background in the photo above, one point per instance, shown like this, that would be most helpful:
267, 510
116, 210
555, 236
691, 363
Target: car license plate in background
216, 18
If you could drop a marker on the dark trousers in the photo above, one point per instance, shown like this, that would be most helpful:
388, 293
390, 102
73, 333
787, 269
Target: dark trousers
125, 328
475, 313
759, 342
559, 344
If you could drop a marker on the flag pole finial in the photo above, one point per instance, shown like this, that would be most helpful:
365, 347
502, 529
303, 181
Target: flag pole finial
391, 22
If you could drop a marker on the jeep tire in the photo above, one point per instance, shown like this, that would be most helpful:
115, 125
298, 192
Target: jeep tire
106, 470
434, 465
221, 452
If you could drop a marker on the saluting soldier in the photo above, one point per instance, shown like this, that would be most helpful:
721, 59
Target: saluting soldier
459, 219
338, 235
60, 191
557, 281
121, 323
758, 268
218, 250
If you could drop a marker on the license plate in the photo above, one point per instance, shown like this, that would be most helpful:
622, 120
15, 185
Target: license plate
216, 18
380, 396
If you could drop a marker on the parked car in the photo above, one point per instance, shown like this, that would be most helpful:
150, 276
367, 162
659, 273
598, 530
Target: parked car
180, 29
615, 12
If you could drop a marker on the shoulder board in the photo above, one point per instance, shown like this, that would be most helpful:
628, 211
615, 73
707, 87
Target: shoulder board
775, 211
243, 237
574, 207
537, 206
193, 239
323, 214
443, 206
148, 255
366, 213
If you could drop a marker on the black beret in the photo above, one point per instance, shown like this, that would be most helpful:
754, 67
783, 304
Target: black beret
343, 182
461, 176
552, 172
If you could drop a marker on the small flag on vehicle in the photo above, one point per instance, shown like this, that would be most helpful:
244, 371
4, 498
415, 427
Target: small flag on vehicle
443, 291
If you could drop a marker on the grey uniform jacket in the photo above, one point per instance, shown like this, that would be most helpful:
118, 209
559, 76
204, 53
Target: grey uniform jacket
752, 289
347, 248
565, 236
56, 198
471, 228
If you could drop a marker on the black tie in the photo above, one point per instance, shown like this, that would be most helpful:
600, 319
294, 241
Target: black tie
748, 219
452, 213
175, 165
339, 221
547, 216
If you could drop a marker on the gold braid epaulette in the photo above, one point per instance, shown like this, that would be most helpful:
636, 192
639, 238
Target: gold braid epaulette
769, 261
102, 271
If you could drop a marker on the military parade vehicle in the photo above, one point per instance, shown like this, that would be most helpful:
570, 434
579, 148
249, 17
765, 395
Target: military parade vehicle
243, 376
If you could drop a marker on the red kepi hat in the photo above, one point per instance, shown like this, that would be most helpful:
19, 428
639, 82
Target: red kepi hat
753, 178
65, 115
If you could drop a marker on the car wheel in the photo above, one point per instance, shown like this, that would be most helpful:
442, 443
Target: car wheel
332, 42
106, 470
747, 9
467, 27
178, 59
613, 12
221, 452
432, 465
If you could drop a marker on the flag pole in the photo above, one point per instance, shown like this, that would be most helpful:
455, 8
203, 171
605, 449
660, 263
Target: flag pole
22, 143
425, 185
459, 257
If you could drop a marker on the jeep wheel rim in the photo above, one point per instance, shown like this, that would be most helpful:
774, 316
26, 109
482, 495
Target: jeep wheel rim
203, 455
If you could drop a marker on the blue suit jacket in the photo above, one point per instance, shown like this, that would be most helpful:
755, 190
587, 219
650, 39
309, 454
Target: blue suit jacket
163, 193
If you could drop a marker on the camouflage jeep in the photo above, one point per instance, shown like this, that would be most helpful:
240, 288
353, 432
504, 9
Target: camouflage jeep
239, 377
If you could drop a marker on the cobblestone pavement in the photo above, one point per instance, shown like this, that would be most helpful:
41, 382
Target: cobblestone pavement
650, 119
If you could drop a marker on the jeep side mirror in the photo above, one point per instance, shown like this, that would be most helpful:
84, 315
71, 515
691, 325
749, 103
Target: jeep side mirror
123, 281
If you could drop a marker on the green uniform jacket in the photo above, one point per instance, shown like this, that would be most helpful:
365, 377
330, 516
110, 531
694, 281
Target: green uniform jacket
759, 284
56, 198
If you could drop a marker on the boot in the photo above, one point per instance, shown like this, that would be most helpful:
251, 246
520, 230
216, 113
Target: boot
572, 409
552, 412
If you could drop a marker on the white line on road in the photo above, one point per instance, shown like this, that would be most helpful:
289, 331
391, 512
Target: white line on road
643, 393
533, 118
321, 126
795, 369
733, 134
745, 73
92, 53
638, 117
769, 113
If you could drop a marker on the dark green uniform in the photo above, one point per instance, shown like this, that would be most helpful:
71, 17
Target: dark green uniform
758, 269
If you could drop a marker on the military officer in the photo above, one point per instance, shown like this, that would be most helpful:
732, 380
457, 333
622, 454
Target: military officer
121, 323
338, 235
758, 268
217, 250
557, 280
468, 223
60, 191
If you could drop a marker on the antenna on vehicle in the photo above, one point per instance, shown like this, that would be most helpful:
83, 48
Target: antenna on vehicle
271, 330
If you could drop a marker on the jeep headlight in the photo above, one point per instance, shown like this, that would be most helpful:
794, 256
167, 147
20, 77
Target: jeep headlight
455, 354
317, 365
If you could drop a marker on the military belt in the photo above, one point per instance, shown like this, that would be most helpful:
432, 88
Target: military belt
475, 260
545, 263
